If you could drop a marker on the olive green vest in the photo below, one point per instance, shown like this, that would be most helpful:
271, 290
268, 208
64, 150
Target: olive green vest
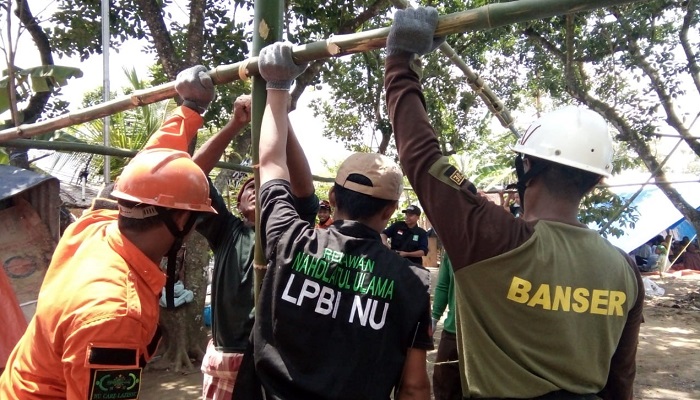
545, 316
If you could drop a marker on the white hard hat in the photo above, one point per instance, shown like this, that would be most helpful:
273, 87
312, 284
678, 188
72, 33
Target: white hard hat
573, 136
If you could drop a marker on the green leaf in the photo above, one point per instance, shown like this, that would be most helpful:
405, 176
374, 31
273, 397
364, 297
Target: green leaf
46, 77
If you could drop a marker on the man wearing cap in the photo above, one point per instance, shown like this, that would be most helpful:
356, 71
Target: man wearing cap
656, 261
96, 323
324, 215
231, 237
546, 308
406, 238
340, 316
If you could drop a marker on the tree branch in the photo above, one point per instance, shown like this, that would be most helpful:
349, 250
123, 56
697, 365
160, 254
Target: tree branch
657, 84
690, 55
305, 80
152, 13
195, 32
37, 102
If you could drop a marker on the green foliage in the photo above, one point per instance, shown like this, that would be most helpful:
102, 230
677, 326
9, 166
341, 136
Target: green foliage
76, 31
603, 207
43, 78
76, 27
128, 130
627, 62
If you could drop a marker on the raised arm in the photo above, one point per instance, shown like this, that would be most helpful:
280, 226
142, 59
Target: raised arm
279, 70
299, 170
273, 137
196, 89
210, 152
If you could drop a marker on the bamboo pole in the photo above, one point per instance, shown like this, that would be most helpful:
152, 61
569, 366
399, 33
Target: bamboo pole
484, 17
677, 256
267, 29
494, 104
116, 152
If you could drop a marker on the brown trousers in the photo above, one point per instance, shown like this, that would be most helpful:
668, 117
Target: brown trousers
446, 378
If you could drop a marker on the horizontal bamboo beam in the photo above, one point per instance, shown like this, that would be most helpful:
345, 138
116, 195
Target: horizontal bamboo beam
113, 151
485, 17
493, 103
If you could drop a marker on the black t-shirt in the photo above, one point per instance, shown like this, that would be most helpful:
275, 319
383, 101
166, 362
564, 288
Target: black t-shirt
337, 309
404, 238
232, 243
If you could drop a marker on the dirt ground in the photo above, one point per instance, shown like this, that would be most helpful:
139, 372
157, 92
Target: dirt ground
668, 360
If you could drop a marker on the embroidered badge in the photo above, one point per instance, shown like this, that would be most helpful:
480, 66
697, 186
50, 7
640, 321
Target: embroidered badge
457, 177
415, 238
115, 384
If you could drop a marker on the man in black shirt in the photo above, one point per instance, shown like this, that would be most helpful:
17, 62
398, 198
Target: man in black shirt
340, 316
408, 239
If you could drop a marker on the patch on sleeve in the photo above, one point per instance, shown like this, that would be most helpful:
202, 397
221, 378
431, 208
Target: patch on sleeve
449, 174
109, 356
115, 384
455, 176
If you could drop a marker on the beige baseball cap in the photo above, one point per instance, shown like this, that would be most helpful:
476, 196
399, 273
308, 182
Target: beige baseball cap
385, 175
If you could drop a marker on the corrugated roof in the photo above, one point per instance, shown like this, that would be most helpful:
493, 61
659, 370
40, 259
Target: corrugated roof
15, 180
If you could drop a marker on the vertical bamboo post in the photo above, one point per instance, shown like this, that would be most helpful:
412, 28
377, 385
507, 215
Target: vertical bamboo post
105, 85
267, 28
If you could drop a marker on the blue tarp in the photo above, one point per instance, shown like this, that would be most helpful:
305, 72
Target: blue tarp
656, 213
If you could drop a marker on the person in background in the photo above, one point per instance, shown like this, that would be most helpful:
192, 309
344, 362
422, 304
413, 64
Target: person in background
340, 316
512, 203
692, 257
546, 307
642, 253
96, 323
653, 262
446, 378
406, 238
231, 237
324, 215
657, 261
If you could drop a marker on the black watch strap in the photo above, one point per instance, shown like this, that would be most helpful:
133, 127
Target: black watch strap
193, 106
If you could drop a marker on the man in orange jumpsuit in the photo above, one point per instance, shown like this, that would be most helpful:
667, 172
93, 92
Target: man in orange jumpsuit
97, 315
324, 215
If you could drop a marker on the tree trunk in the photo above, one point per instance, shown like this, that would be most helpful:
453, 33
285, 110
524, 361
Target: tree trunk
37, 102
184, 333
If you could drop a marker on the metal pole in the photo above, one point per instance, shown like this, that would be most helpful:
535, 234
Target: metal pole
105, 82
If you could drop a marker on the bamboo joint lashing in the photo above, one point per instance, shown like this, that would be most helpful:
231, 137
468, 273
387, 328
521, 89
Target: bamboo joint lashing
243, 70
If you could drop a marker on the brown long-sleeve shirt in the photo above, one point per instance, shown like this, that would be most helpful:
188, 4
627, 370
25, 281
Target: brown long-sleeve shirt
541, 306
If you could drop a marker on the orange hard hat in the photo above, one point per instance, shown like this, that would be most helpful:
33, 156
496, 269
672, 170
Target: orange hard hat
166, 178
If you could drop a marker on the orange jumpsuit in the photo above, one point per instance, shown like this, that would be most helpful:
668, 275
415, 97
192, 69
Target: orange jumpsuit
96, 323
96, 319
328, 223
177, 131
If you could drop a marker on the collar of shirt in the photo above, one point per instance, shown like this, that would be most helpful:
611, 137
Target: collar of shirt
138, 262
356, 229
326, 224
